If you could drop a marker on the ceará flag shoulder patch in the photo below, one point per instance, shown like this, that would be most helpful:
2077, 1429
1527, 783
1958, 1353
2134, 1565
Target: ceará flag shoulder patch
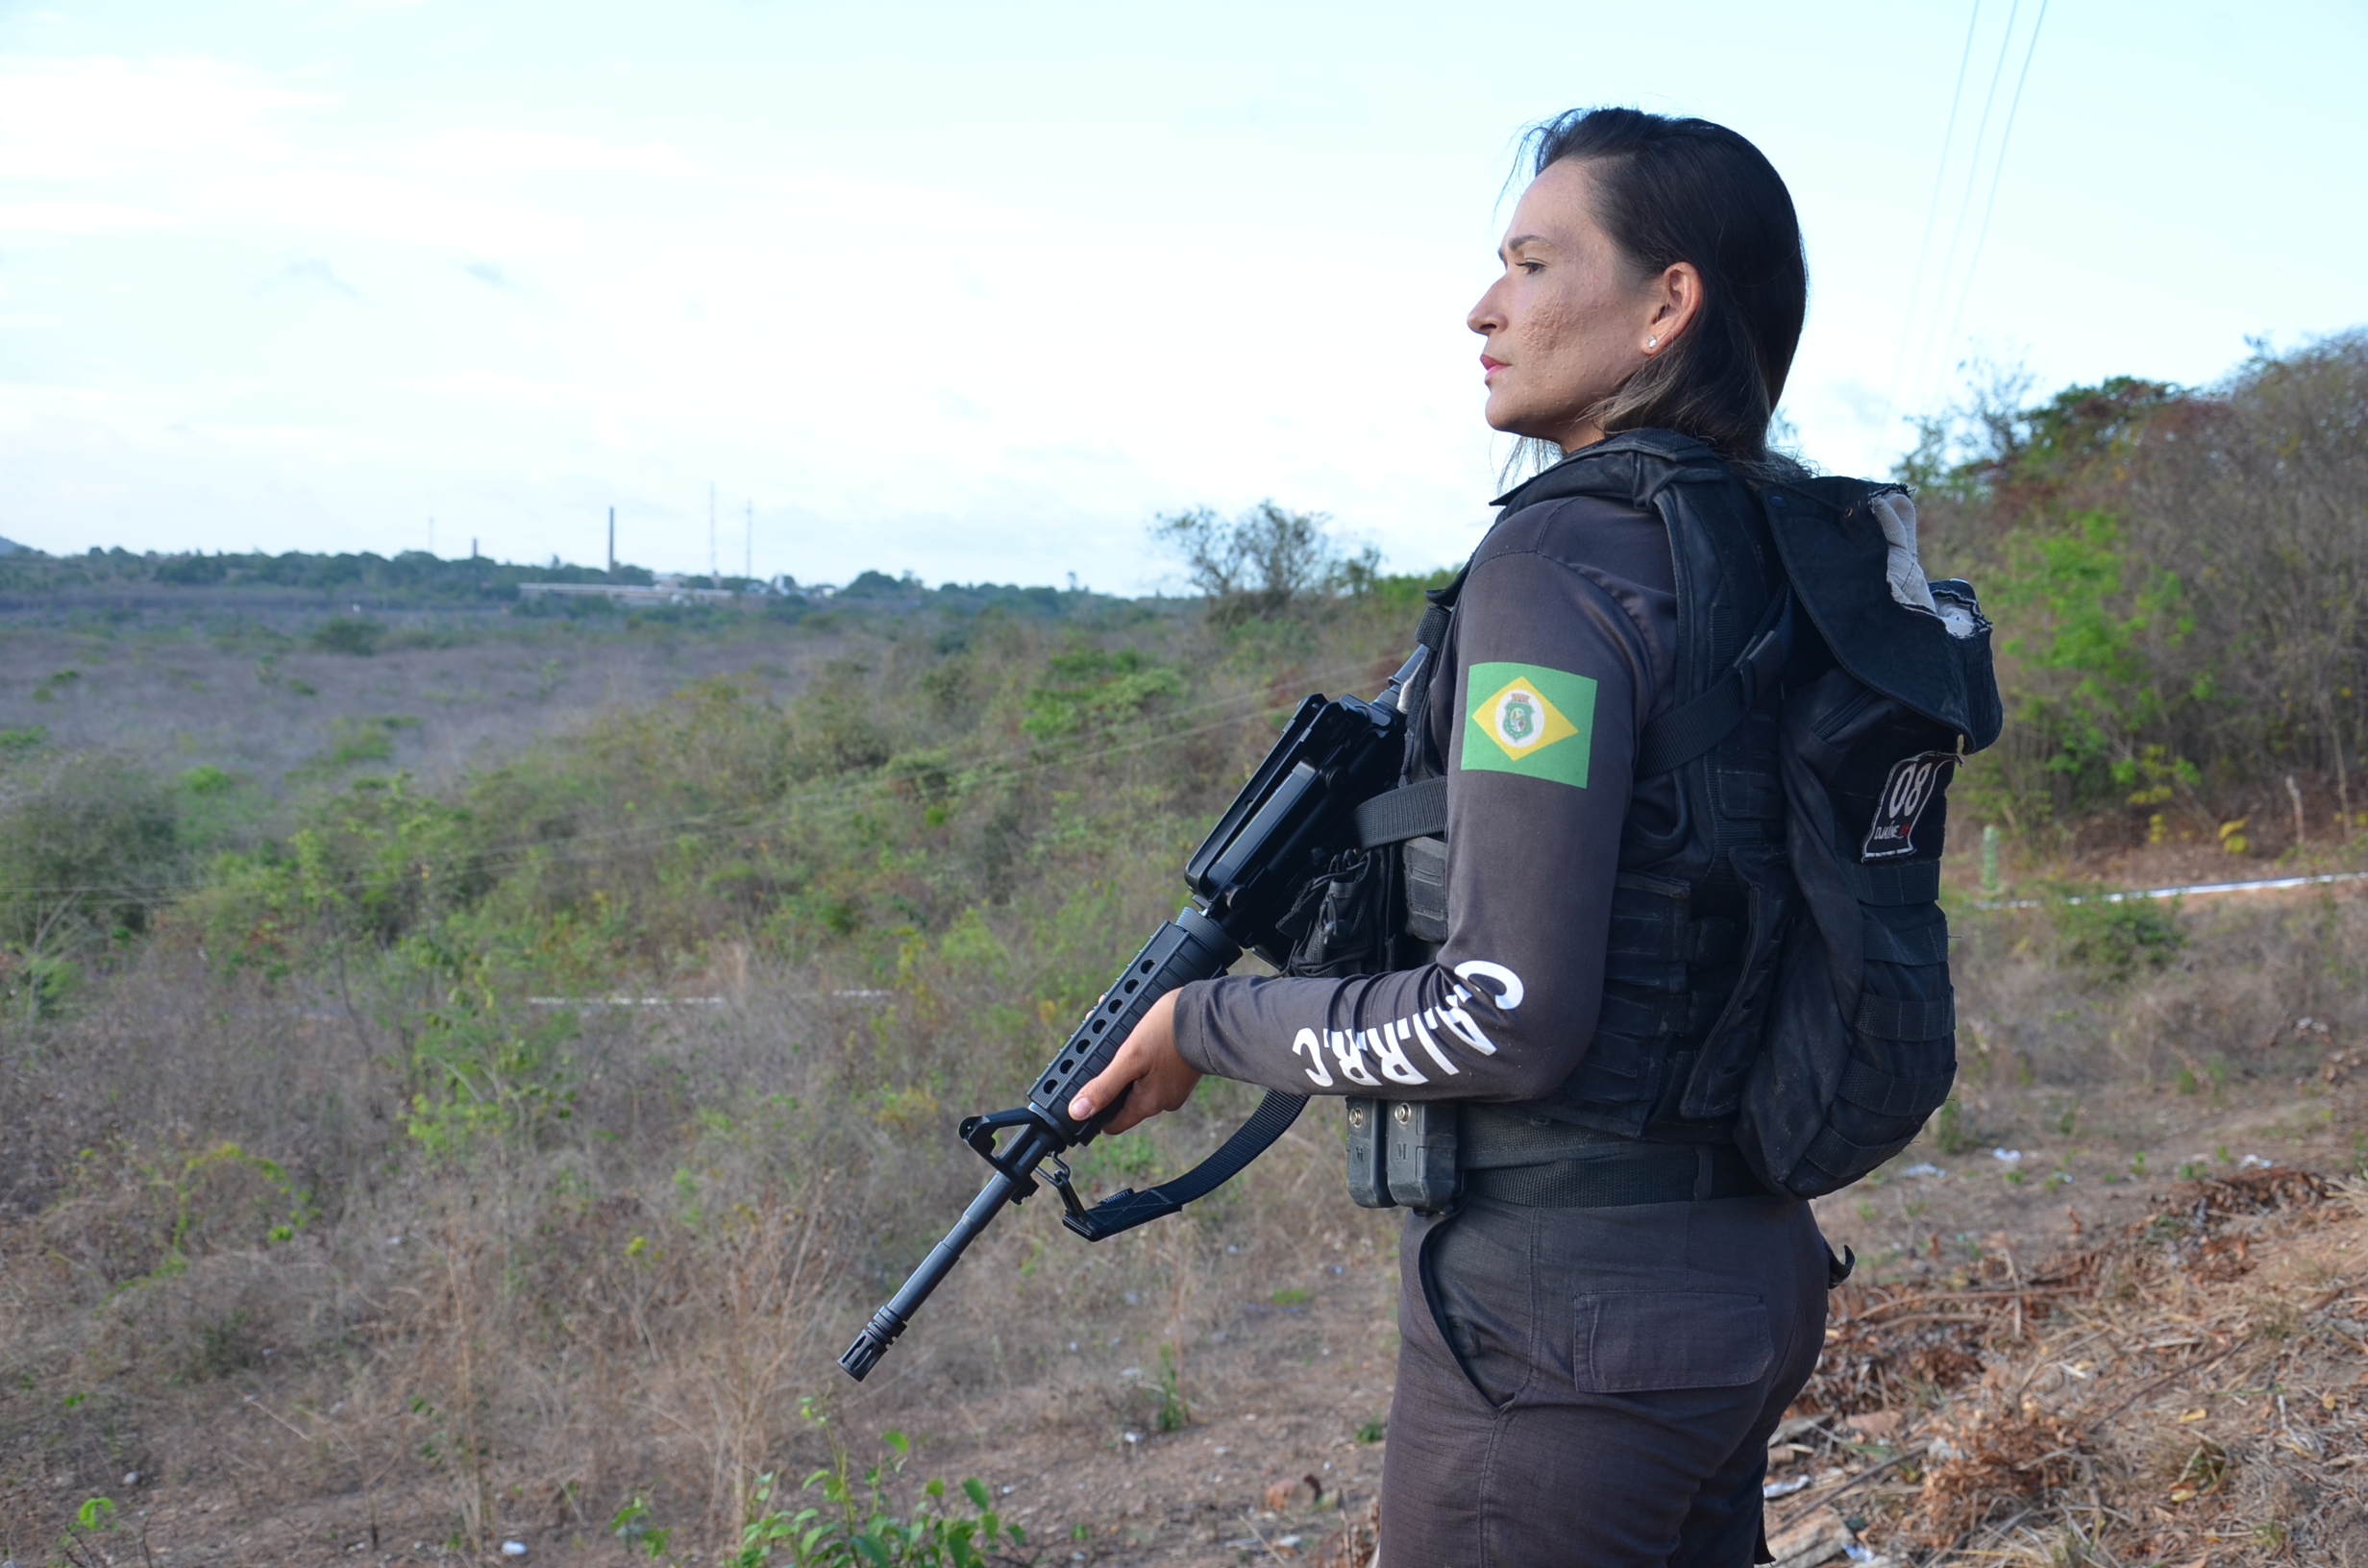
1526, 719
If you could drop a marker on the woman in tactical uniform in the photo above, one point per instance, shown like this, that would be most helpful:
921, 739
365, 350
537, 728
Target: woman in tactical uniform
1604, 1326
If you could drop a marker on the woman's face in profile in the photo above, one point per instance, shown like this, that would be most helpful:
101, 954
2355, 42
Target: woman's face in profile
1567, 323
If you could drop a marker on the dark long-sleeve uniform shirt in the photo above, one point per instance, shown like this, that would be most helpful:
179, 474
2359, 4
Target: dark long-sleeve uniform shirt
1559, 653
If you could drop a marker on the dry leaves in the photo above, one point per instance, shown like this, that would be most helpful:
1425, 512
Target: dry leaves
2182, 1388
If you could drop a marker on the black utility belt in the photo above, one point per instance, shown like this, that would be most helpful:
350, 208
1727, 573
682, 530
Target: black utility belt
1669, 1173
1427, 1155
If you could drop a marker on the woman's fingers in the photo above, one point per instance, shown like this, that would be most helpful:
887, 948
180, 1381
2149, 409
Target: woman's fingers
1149, 1060
1124, 1069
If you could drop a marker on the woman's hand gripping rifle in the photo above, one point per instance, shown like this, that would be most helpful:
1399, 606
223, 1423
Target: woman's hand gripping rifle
1297, 812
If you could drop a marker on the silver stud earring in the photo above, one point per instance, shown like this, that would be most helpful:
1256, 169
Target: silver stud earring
1652, 342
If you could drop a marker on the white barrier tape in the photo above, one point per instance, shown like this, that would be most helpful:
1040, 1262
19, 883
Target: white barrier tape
683, 1001
2193, 890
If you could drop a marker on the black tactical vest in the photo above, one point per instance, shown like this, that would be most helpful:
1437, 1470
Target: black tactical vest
1778, 967
1696, 913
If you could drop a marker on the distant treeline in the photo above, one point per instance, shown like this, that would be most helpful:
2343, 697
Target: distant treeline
2180, 581
414, 574
416, 578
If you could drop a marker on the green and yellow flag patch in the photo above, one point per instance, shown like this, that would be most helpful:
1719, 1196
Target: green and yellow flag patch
1526, 719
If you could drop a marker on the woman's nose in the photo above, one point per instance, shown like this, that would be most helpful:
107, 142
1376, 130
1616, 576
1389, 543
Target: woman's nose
1485, 317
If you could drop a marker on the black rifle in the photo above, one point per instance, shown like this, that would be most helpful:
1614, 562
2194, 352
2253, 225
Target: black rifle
1296, 814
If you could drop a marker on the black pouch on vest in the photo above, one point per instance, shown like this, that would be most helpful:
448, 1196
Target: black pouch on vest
1341, 920
1425, 869
1399, 1151
1343, 923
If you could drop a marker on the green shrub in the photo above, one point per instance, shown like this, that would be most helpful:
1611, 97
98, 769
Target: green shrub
368, 739
1174, 1413
858, 1525
2114, 941
1952, 1132
88, 845
1087, 689
483, 1074
348, 634
219, 809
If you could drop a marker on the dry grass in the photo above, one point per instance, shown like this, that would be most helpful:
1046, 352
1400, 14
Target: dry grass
517, 1341
514, 1344
2185, 1392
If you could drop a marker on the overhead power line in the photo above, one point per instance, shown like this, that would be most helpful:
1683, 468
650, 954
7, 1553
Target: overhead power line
1997, 171
1932, 215
1965, 206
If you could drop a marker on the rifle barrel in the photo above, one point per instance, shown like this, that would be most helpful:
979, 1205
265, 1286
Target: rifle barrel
890, 1320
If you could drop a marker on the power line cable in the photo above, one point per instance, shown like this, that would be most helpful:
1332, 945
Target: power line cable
1932, 215
1965, 208
1997, 171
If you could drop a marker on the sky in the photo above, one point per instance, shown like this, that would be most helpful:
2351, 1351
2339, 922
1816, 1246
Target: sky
977, 291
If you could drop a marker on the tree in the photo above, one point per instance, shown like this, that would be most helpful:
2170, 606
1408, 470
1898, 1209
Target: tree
1264, 561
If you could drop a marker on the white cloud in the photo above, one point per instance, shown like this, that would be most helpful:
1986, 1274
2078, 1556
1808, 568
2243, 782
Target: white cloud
70, 216
91, 119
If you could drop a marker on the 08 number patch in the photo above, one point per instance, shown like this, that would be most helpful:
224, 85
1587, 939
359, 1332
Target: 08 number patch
1912, 784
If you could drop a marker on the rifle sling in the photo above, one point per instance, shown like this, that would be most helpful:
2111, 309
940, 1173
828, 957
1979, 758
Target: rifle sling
1124, 1210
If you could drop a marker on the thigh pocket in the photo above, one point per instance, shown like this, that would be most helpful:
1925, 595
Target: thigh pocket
1640, 1341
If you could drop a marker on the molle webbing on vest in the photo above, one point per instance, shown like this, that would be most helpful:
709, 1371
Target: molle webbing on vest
1912, 882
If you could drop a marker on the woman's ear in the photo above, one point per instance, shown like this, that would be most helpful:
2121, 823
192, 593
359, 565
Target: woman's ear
1676, 299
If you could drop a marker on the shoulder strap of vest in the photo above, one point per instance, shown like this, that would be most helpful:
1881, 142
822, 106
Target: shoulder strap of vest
1686, 731
1671, 741
1414, 696
1596, 470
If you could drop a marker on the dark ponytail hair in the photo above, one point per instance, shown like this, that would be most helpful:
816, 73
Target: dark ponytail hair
1670, 190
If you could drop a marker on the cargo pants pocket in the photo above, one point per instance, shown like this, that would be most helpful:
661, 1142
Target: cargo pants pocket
1644, 1341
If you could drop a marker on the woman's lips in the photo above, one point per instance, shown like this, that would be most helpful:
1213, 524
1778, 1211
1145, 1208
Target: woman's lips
1489, 367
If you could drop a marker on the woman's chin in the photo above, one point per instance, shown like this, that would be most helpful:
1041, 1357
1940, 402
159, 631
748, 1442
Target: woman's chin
1504, 421
1507, 417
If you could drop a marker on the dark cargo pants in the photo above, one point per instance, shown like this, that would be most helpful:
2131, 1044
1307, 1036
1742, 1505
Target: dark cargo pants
1595, 1386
